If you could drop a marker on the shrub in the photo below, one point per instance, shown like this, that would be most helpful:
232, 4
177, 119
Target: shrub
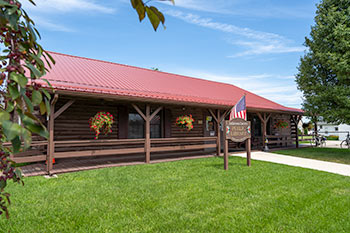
332, 137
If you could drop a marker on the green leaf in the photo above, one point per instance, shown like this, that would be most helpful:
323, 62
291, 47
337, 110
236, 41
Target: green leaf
16, 144
28, 103
48, 83
153, 18
33, 69
42, 108
11, 130
50, 57
19, 78
48, 108
158, 13
2, 184
37, 59
139, 6
27, 138
4, 116
10, 106
14, 93
32, 116
37, 98
47, 94
38, 129
18, 173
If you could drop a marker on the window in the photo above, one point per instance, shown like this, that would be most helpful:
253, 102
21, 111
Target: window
336, 128
156, 127
136, 127
320, 126
256, 126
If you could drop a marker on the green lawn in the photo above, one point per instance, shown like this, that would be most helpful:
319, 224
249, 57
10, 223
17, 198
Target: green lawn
184, 196
304, 138
326, 154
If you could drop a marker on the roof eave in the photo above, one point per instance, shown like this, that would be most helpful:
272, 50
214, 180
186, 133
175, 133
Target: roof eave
158, 101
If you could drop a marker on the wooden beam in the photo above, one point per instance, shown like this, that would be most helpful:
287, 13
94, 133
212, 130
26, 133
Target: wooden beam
223, 116
218, 138
268, 117
155, 113
264, 119
55, 98
87, 153
213, 115
248, 148
139, 111
296, 119
51, 145
29, 159
148, 134
63, 108
225, 148
147, 117
226, 155
182, 147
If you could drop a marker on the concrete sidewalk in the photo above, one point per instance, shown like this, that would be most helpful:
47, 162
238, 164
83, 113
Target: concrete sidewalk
337, 168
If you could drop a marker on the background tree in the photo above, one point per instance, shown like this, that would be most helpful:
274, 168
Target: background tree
324, 71
22, 62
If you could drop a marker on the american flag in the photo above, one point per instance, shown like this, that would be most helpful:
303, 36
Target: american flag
239, 110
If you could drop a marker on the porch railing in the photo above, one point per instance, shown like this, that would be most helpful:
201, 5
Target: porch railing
279, 140
88, 148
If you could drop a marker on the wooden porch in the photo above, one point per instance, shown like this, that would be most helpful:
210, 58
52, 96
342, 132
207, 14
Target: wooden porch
72, 147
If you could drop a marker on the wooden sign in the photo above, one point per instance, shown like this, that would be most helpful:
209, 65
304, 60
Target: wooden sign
238, 130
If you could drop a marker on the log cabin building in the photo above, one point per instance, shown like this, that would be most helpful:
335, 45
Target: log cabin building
145, 104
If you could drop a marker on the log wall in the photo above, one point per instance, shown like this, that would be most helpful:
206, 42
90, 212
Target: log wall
73, 124
197, 114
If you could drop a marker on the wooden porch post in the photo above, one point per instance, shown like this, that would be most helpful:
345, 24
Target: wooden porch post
296, 119
225, 149
218, 119
50, 145
52, 117
218, 139
264, 119
147, 118
248, 148
148, 134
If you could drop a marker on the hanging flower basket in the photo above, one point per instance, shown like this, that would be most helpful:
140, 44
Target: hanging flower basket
281, 124
101, 123
185, 122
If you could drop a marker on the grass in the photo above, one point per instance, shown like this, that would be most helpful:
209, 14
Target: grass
184, 196
325, 154
304, 138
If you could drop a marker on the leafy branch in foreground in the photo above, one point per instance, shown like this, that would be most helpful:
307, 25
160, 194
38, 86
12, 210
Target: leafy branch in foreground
154, 15
21, 63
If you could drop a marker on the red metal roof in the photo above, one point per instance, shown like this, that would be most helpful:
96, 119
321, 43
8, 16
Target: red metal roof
78, 74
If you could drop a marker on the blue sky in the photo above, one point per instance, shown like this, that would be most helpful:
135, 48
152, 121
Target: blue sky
254, 44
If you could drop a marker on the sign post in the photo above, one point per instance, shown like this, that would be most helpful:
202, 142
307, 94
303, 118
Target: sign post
237, 130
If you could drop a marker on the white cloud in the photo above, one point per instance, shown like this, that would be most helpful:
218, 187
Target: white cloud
278, 88
218, 6
265, 47
47, 24
259, 42
64, 6
244, 8
229, 28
